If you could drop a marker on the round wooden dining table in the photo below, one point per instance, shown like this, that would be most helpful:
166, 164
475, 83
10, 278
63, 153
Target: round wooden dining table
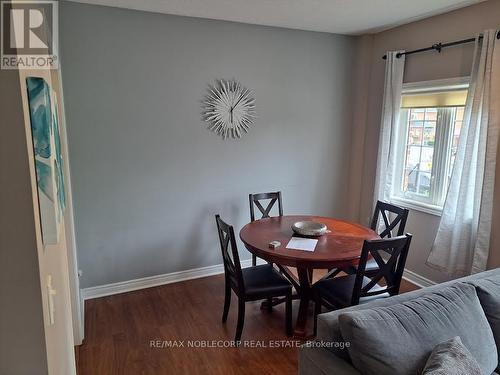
340, 247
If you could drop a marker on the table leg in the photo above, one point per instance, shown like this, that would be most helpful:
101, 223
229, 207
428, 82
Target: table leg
305, 294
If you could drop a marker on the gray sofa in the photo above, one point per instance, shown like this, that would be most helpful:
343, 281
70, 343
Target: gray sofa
399, 332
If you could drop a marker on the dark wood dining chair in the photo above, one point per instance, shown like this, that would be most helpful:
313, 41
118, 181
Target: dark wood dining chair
393, 219
397, 222
255, 201
249, 284
390, 255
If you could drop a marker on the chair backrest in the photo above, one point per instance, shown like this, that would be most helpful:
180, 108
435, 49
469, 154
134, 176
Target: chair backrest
232, 265
385, 210
390, 269
254, 200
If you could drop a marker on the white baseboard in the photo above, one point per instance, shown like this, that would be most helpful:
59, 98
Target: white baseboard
168, 278
157, 280
416, 279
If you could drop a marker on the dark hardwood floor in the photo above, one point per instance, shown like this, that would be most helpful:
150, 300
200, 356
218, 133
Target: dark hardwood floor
126, 333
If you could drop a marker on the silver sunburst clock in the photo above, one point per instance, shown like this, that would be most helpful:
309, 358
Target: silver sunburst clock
229, 108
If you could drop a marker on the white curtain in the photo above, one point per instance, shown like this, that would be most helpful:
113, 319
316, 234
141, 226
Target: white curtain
394, 70
461, 246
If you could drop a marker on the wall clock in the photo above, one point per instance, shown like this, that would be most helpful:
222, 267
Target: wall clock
229, 108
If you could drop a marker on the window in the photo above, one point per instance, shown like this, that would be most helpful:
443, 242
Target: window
427, 141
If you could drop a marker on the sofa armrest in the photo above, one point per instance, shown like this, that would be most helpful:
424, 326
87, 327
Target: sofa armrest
320, 361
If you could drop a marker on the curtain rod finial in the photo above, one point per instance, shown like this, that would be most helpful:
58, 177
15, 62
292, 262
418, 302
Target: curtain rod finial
438, 47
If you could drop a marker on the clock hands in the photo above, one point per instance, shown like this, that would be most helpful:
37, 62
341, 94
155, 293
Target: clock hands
239, 100
234, 105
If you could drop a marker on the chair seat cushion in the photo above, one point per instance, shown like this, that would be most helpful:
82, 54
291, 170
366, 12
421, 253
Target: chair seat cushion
264, 280
338, 291
399, 339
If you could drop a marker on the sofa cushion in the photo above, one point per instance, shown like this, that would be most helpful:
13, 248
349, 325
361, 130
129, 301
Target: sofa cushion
488, 291
328, 324
400, 338
320, 361
451, 358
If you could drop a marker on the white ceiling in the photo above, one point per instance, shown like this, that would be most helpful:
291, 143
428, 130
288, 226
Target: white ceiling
334, 16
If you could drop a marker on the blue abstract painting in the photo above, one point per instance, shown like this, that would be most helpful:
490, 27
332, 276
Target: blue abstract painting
48, 157
61, 197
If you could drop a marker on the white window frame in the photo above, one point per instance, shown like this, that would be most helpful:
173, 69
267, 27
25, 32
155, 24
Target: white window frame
433, 205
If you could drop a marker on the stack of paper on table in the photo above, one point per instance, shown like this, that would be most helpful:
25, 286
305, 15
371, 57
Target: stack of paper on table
299, 243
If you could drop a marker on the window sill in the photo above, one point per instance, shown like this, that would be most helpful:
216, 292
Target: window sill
417, 206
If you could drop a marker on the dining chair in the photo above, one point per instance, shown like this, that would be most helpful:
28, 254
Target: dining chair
393, 219
390, 255
255, 200
251, 283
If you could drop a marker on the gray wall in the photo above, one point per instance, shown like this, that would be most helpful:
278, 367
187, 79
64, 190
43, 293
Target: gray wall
452, 62
148, 177
22, 340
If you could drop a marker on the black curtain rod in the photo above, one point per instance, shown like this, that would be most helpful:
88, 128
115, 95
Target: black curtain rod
439, 46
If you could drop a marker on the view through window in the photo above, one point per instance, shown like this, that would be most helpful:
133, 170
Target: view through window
429, 132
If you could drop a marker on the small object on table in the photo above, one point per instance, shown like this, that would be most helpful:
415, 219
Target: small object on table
309, 228
274, 244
